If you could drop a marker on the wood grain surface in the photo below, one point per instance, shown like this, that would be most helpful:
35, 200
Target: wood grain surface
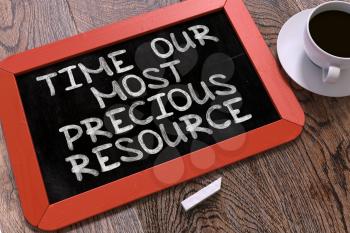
299, 187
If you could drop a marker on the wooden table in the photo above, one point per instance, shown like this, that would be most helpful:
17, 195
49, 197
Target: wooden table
299, 187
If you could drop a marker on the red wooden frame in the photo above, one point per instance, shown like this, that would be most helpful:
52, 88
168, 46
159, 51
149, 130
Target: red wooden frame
23, 158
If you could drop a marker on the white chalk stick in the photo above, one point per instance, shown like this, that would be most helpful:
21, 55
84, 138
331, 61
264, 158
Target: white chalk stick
201, 195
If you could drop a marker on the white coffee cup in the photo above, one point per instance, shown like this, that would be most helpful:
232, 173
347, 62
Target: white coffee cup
331, 65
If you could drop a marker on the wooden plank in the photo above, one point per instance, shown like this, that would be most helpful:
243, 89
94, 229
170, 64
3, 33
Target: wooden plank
315, 191
123, 219
299, 187
29, 24
25, 25
32, 24
87, 16
90, 14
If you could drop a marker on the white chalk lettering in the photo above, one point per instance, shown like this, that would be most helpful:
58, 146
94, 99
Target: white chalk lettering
173, 69
201, 34
235, 112
208, 94
48, 80
194, 127
103, 159
93, 131
101, 96
79, 169
151, 151
138, 154
175, 105
117, 122
136, 120
70, 139
231, 89
163, 82
73, 84
189, 42
170, 47
149, 106
117, 63
224, 125
103, 67
132, 93
180, 135
164, 113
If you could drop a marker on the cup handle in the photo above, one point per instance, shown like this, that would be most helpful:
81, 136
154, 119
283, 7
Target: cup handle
331, 74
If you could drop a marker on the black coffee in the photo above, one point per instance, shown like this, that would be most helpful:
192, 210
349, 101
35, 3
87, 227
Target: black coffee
331, 32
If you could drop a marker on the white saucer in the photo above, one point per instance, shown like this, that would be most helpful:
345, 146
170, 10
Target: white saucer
290, 49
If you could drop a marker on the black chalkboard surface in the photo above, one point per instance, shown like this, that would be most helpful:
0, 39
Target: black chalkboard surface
116, 111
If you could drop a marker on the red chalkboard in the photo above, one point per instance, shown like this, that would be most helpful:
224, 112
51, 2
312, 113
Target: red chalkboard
137, 106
